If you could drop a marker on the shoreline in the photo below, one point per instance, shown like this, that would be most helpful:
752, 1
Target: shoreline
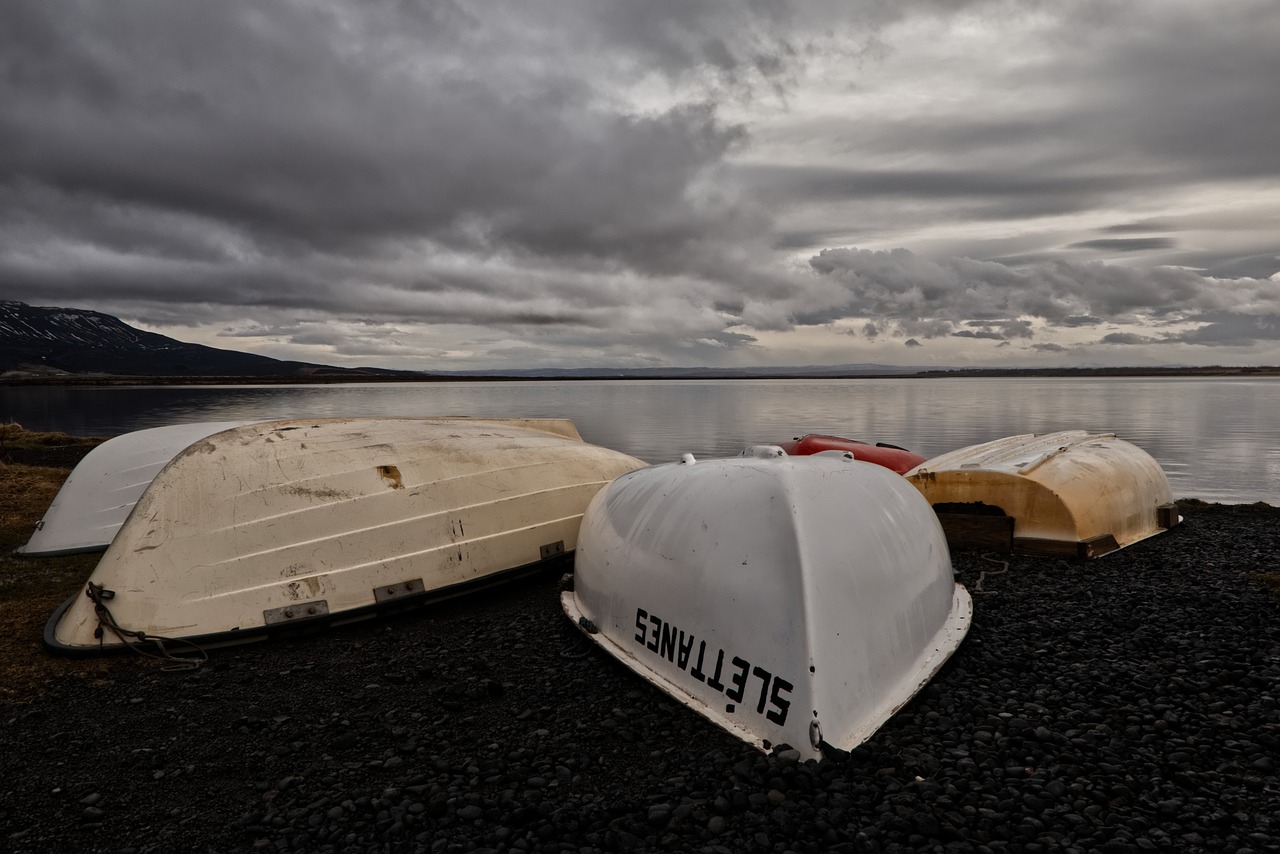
354, 376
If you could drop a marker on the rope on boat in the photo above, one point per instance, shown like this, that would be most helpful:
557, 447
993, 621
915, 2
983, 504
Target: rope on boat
982, 576
137, 640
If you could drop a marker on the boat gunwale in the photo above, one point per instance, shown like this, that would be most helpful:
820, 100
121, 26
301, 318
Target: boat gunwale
302, 625
934, 657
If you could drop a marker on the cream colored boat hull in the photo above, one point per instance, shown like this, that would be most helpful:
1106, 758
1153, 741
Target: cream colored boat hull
1066, 493
272, 525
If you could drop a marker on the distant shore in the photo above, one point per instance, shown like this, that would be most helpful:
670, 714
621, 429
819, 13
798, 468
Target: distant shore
689, 374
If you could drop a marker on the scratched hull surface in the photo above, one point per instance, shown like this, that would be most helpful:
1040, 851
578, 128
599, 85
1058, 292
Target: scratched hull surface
103, 488
797, 600
280, 523
1069, 492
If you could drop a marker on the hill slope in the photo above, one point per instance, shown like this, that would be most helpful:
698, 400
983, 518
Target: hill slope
50, 341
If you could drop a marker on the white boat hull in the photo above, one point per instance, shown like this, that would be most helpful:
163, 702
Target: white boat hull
790, 600
102, 489
272, 525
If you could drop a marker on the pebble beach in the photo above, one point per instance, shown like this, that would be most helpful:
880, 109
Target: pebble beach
1124, 704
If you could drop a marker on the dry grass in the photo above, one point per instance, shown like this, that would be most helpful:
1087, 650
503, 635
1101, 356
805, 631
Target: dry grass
14, 435
31, 588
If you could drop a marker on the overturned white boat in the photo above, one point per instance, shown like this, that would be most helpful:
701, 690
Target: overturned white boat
1069, 493
278, 525
790, 600
101, 490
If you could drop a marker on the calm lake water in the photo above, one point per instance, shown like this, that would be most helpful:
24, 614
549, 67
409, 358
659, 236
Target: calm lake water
1217, 439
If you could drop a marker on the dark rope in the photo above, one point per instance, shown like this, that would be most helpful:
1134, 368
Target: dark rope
137, 640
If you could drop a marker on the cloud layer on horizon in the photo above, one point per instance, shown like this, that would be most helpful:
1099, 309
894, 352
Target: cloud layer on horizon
440, 184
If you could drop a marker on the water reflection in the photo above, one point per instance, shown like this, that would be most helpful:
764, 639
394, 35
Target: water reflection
1215, 438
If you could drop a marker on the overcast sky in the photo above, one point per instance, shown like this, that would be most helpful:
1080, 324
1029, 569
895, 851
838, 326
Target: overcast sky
457, 185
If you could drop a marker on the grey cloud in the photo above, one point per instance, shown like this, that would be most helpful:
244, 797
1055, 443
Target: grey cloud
996, 302
1125, 338
901, 284
187, 162
1131, 227
579, 178
1231, 329
808, 183
1130, 244
1049, 347
1236, 267
995, 330
931, 328
911, 342
1146, 122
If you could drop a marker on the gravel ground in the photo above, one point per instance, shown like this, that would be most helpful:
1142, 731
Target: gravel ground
1123, 704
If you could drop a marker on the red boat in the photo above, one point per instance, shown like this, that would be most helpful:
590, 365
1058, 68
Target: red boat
891, 457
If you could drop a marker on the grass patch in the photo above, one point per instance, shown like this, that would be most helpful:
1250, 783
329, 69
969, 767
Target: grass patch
19, 446
14, 435
31, 588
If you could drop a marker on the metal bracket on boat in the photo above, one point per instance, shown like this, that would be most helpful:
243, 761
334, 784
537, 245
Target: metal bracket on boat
296, 611
552, 549
398, 591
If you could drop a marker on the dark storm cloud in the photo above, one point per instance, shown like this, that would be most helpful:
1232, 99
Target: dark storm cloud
260, 138
329, 135
582, 178
525, 167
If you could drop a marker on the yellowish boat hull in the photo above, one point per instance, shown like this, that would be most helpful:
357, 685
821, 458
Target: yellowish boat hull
1067, 493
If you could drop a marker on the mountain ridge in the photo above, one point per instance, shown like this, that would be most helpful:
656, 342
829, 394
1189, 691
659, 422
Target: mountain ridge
46, 342
54, 341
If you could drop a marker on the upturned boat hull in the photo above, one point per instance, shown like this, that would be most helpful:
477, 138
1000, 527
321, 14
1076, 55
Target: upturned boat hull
896, 459
271, 527
790, 600
1069, 493
102, 489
